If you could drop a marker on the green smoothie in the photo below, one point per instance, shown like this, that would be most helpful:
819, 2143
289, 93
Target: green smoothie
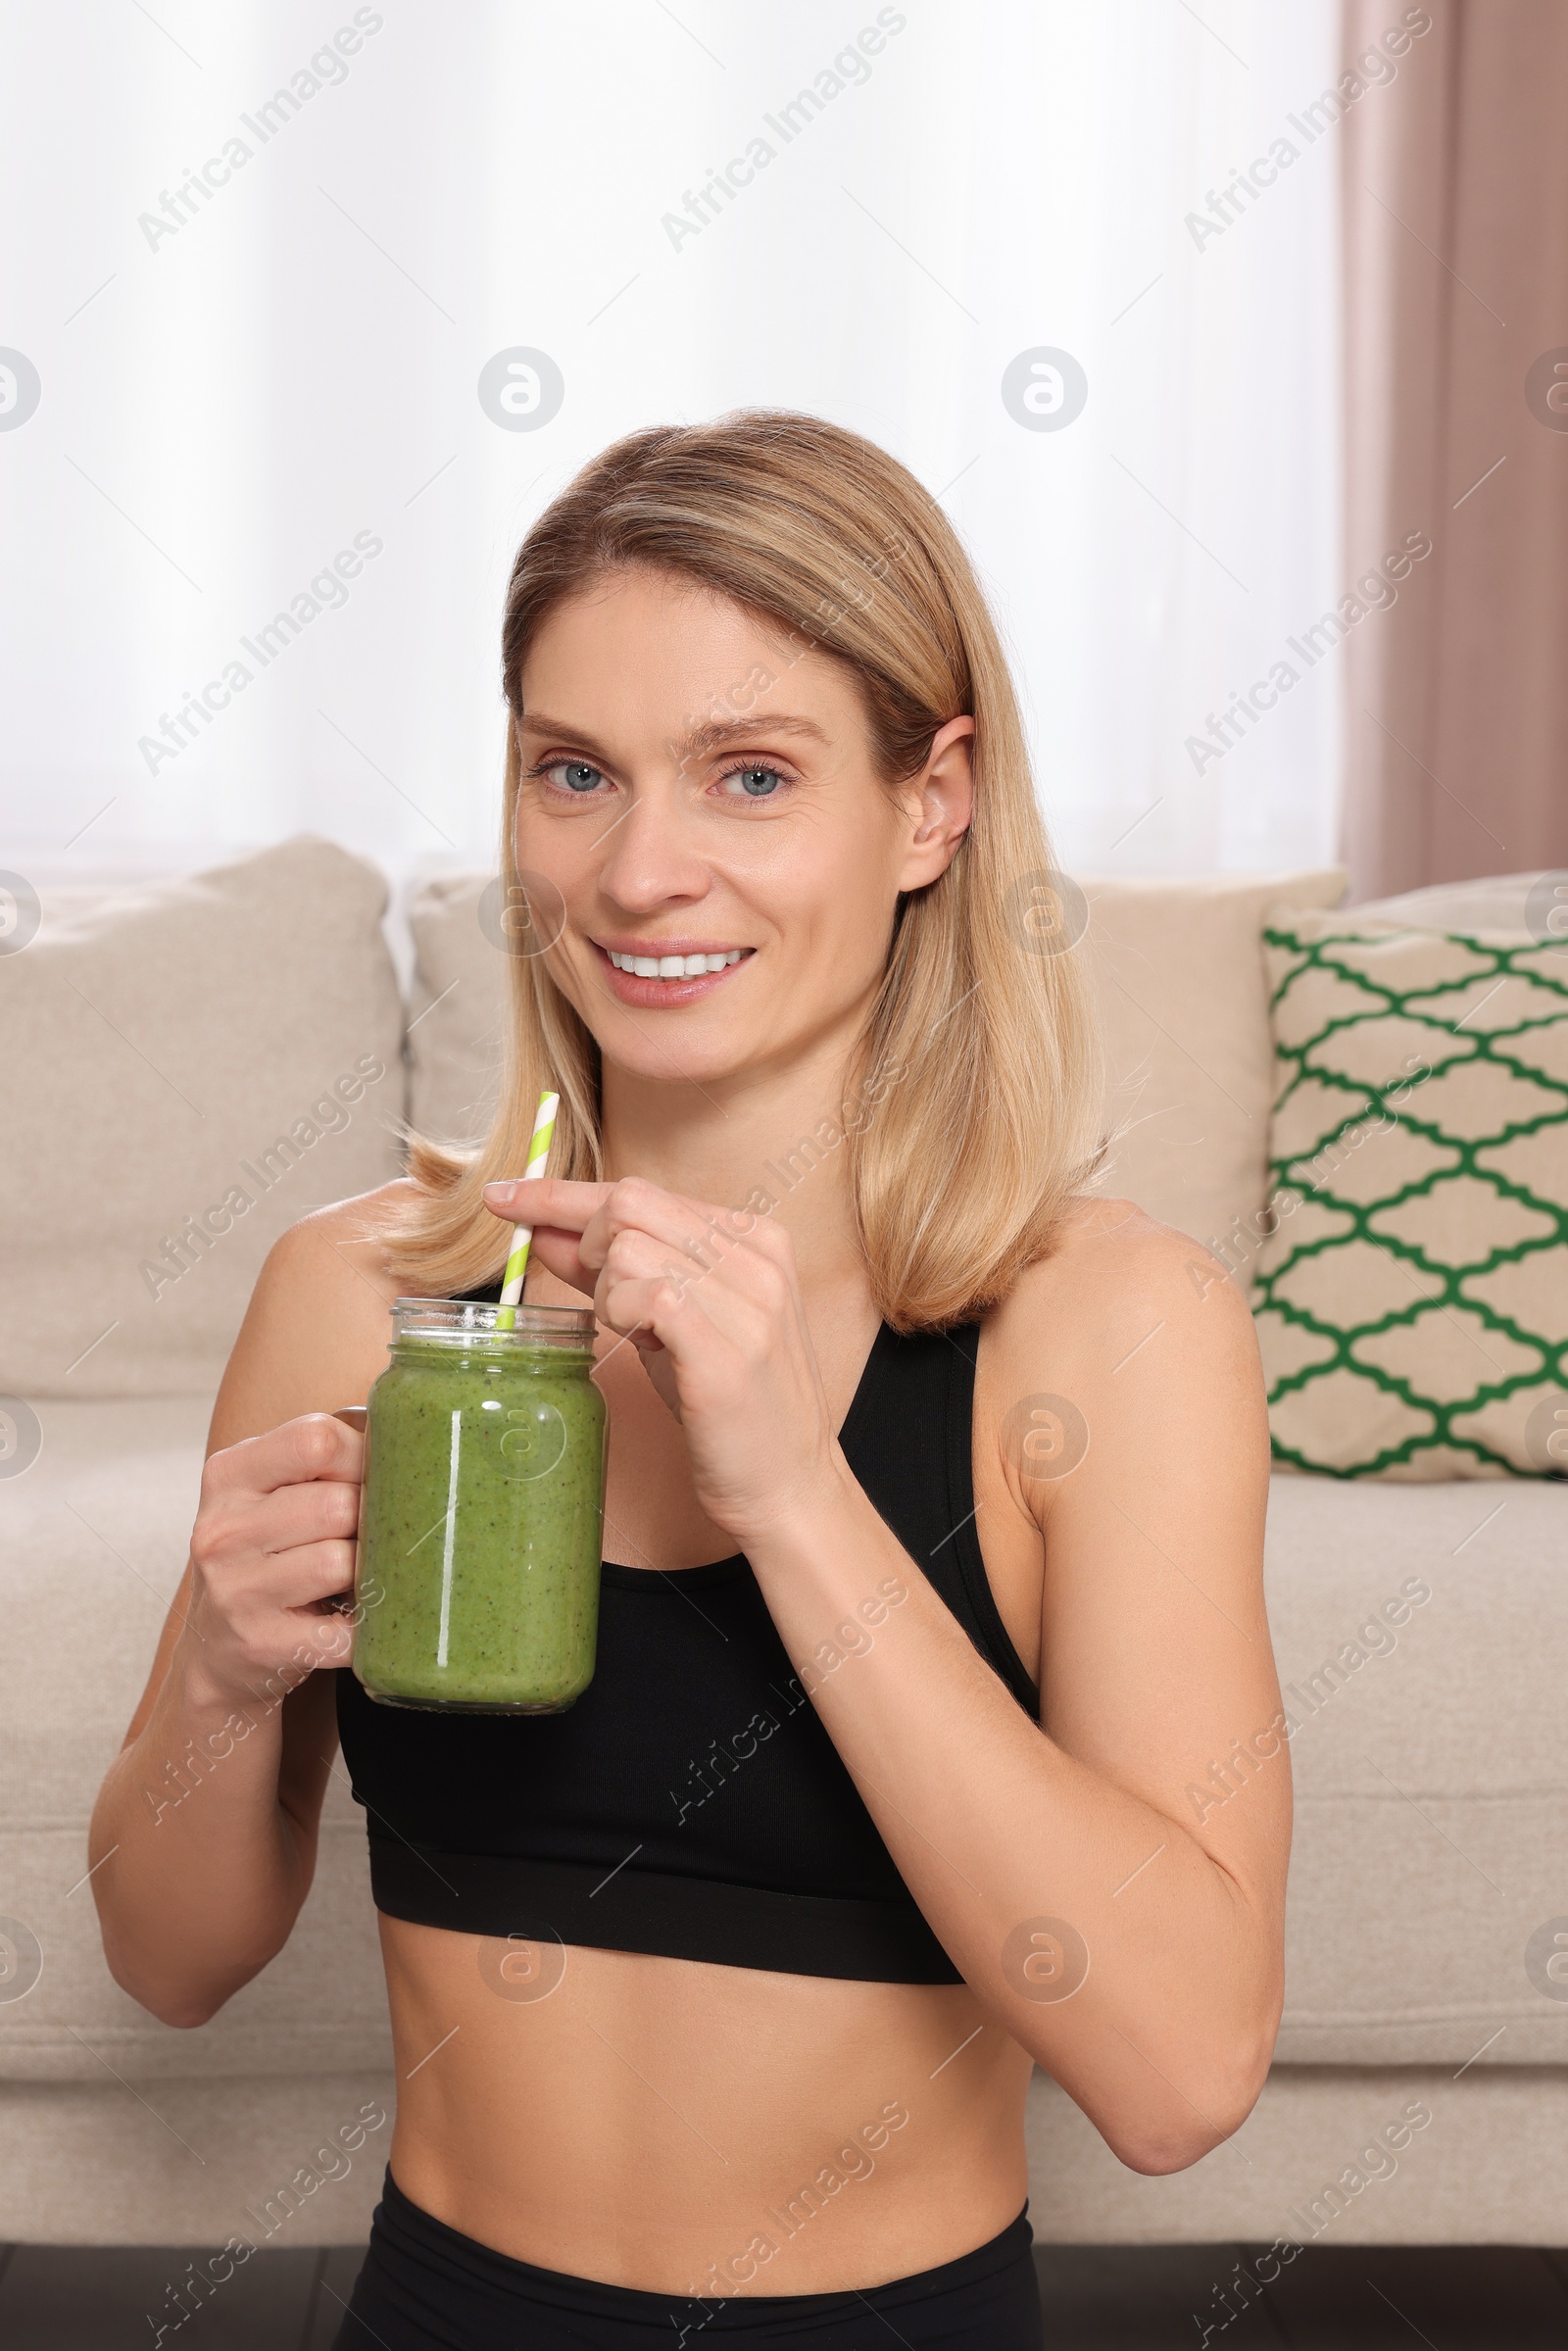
478, 1583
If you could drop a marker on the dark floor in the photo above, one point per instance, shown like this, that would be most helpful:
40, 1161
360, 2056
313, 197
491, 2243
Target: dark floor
1096, 2298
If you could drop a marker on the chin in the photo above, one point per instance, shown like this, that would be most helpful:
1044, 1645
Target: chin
663, 1056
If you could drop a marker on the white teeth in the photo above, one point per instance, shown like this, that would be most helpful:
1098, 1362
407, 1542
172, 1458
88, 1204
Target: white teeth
673, 967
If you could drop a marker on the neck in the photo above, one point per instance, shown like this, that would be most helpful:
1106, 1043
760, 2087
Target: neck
770, 1139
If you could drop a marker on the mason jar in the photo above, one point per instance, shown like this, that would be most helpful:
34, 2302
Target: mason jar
477, 1586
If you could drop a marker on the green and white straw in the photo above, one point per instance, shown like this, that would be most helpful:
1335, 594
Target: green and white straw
544, 1127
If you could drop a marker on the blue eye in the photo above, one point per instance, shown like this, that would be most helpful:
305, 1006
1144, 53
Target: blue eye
758, 783
574, 775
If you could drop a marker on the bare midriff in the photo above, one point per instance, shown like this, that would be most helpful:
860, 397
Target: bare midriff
698, 2130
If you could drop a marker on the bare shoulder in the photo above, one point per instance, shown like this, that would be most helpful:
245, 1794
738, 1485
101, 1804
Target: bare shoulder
1114, 1242
343, 1241
316, 1331
1113, 1269
1136, 1325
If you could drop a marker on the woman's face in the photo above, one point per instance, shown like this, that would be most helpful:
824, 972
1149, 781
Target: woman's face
697, 785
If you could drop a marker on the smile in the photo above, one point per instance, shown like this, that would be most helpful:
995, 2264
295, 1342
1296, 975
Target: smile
675, 967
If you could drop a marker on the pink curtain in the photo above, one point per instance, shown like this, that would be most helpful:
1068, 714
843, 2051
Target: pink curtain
1455, 173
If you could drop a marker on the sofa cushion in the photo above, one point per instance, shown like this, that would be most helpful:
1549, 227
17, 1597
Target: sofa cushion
1412, 1301
1331, 2157
92, 1545
458, 1006
1177, 973
1178, 978
1421, 1638
191, 1065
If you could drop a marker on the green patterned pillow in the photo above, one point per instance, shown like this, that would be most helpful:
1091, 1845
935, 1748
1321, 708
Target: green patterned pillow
1412, 1279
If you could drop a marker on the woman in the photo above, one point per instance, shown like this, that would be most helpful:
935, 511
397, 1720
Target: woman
934, 1515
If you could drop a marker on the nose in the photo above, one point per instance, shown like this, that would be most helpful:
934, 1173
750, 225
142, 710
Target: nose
650, 858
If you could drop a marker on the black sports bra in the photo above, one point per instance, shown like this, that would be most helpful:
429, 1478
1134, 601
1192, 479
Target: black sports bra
691, 1803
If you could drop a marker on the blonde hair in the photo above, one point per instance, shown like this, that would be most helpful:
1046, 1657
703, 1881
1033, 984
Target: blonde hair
979, 1070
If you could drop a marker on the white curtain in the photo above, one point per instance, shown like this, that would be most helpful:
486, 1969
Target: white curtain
262, 254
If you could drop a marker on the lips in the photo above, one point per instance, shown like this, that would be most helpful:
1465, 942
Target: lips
674, 971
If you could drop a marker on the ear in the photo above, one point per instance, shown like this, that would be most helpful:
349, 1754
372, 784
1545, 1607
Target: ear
940, 802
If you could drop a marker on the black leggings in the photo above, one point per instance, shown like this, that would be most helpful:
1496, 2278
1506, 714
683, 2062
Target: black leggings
426, 2287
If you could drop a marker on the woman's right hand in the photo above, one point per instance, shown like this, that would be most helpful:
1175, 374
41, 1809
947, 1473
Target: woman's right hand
272, 1561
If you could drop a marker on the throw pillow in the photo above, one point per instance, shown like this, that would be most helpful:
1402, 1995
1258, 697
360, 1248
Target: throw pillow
1412, 1290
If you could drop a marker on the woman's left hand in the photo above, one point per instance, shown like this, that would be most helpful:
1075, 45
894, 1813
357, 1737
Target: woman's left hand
711, 1300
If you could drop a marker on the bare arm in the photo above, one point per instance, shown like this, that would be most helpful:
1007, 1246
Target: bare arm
203, 1838
1118, 1910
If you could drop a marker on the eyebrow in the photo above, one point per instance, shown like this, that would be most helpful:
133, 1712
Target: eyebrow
695, 742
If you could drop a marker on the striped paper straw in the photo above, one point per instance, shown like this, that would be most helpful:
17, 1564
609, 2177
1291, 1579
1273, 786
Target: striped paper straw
544, 1127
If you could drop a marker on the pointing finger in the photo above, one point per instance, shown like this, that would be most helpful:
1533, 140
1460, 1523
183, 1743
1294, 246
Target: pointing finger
545, 1200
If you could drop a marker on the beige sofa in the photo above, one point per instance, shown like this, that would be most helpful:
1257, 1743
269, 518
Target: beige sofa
177, 1045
